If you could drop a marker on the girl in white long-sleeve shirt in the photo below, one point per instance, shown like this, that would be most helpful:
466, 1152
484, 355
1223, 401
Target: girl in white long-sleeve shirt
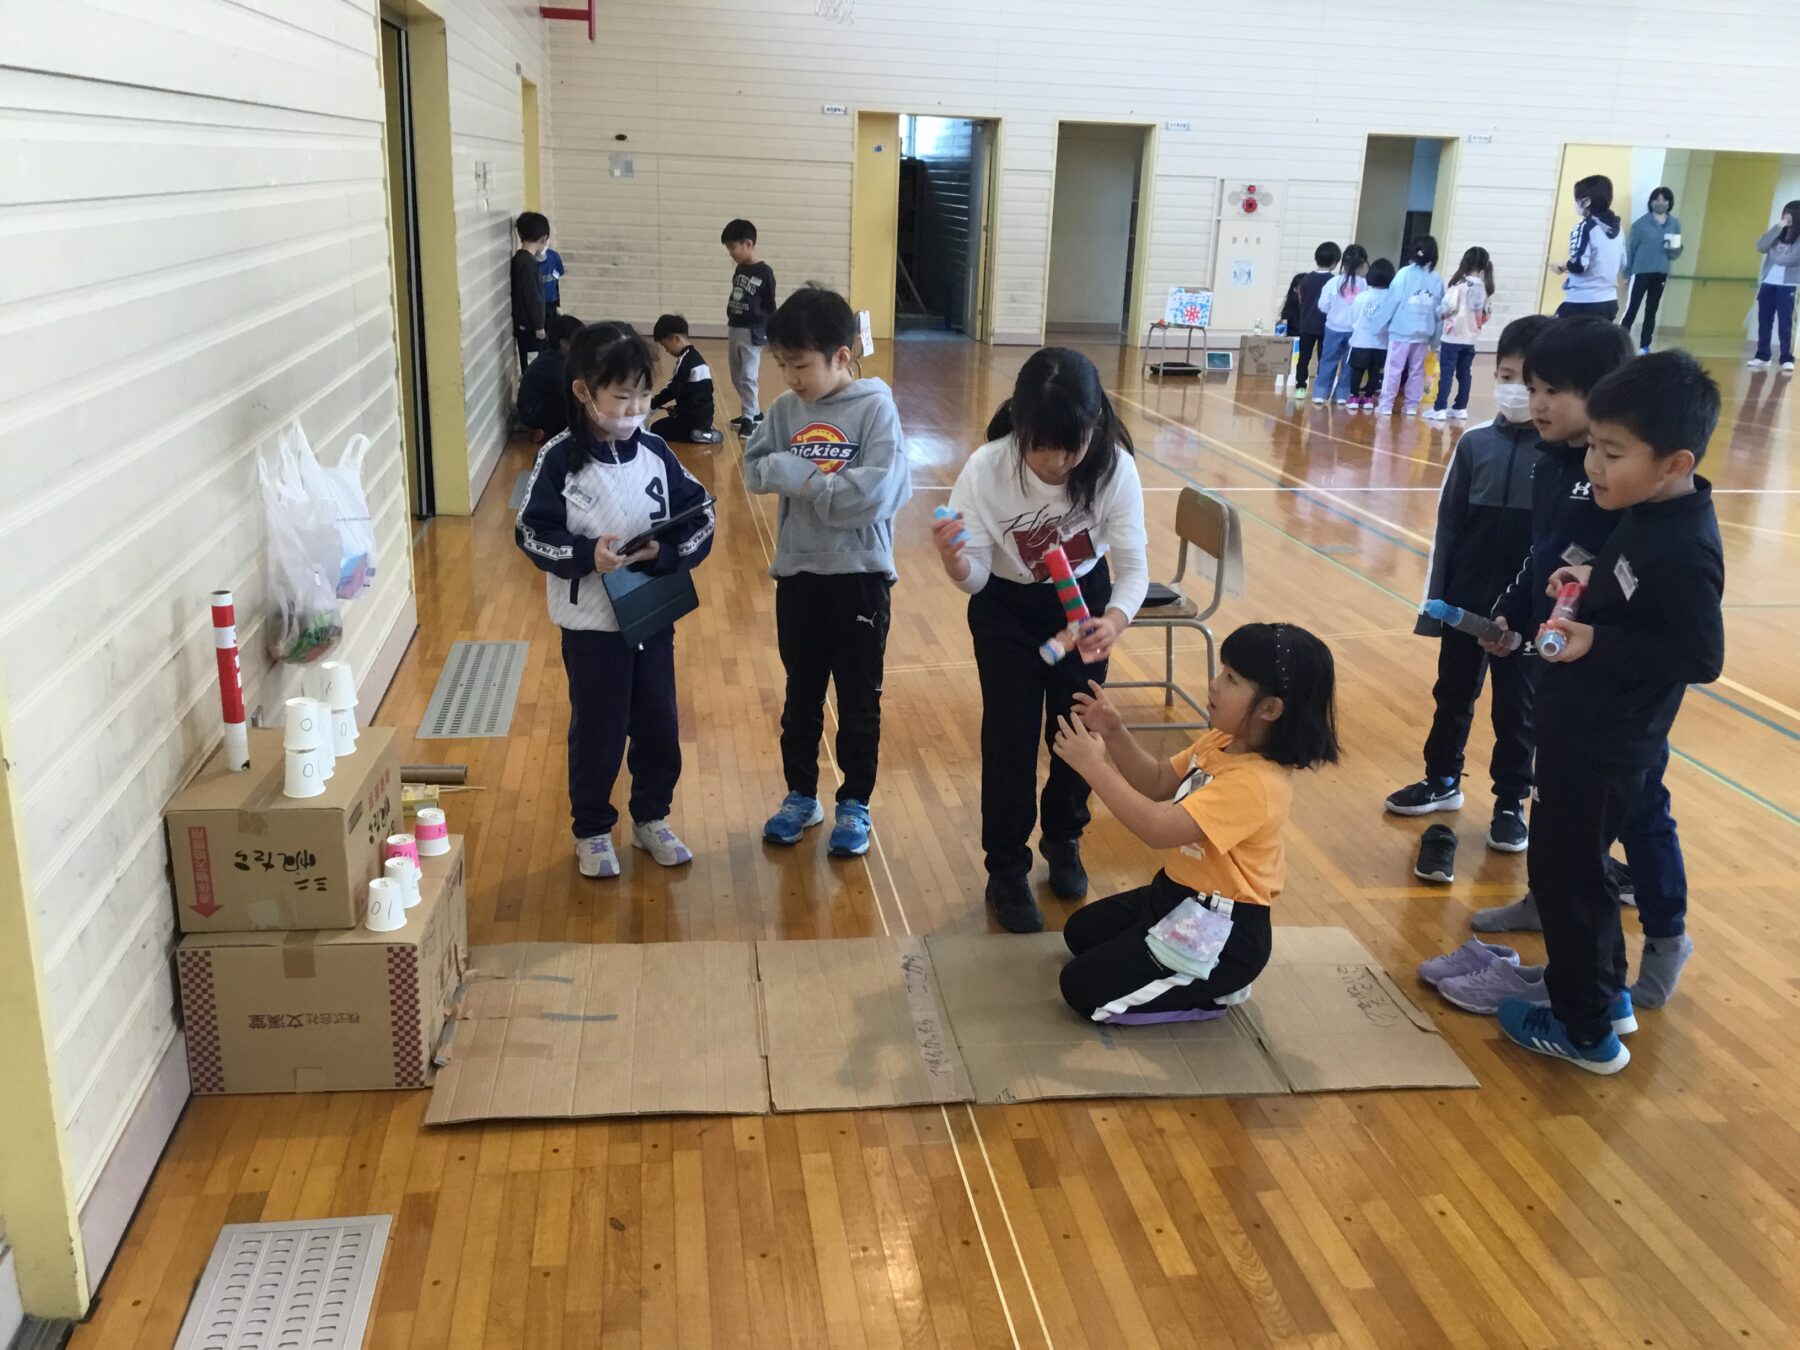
1057, 469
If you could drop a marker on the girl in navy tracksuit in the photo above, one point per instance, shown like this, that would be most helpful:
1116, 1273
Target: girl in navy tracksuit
602, 482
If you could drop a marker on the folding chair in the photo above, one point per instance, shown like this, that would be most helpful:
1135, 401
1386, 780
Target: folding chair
1209, 524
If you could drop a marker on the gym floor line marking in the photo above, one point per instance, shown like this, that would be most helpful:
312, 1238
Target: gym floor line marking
1288, 412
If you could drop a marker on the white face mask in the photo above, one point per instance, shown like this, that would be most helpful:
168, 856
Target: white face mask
1514, 402
618, 428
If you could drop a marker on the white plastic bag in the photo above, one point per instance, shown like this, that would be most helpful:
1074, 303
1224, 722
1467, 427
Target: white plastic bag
305, 618
341, 485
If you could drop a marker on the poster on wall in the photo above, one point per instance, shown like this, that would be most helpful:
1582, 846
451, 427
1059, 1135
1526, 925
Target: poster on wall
1243, 272
1188, 307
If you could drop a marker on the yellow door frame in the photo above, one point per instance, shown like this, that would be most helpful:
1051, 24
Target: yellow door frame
528, 100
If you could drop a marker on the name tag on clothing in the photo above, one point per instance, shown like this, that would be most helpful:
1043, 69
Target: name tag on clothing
578, 496
1196, 777
1627, 579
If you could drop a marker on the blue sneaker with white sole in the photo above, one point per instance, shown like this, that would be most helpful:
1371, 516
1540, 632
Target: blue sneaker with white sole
850, 831
794, 817
1539, 1030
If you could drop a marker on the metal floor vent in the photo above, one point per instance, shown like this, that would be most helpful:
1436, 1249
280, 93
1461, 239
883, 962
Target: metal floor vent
514, 502
287, 1286
476, 693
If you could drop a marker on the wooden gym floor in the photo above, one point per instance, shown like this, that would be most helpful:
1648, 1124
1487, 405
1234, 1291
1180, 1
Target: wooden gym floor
1549, 1208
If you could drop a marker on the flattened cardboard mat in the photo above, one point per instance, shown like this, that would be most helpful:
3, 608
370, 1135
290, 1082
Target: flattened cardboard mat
552, 1030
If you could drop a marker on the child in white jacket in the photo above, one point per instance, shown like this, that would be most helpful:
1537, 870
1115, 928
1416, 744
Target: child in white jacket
1464, 310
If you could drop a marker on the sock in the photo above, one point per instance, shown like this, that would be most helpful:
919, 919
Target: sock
1659, 970
1521, 916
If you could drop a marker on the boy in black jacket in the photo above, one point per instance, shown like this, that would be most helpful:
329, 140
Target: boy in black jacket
528, 313
689, 393
747, 314
1312, 318
1649, 625
1483, 528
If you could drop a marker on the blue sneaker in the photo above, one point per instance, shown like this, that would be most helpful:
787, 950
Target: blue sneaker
850, 832
1537, 1029
1624, 1016
796, 815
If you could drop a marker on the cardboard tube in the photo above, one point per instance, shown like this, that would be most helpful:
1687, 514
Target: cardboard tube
231, 682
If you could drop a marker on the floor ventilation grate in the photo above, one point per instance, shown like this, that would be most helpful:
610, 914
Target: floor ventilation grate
287, 1286
476, 693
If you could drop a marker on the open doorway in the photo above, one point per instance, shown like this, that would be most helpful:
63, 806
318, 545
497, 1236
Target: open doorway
1408, 183
1095, 227
403, 242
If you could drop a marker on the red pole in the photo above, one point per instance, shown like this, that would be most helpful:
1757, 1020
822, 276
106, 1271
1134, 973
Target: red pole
231, 685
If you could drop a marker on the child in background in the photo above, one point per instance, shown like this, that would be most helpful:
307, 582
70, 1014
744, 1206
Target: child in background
543, 397
689, 393
1368, 336
1290, 306
1483, 529
600, 483
1216, 811
550, 271
1650, 625
1336, 300
833, 450
1311, 330
747, 313
1058, 469
528, 316
1780, 245
1596, 254
1464, 310
1411, 311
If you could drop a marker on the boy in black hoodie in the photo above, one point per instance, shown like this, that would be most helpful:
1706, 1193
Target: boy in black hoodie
1649, 625
1312, 318
689, 393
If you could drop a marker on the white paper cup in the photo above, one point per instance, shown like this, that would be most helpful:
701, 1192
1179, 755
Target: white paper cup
303, 728
387, 906
303, 778
432, 832
343, 731
1671, 241
403, 871
327, 741
337, 685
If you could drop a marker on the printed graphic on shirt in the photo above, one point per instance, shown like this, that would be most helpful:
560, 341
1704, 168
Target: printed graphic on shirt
743, 286
1627, 579
1197, 777
1036, 534
824, 446
1583, 491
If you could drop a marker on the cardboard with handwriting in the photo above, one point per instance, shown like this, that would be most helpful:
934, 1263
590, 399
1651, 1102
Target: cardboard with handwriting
327, 1010
248, 858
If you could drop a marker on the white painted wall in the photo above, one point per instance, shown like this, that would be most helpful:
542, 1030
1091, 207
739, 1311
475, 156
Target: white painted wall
193, 250
1090, 231
721, 101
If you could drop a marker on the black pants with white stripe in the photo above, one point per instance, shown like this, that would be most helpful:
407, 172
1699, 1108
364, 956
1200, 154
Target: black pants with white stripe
1113, 964
832, 630
618, 694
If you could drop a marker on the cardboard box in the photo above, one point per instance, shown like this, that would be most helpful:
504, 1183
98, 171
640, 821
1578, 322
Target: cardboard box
327, 1011
247, 858
1264, 355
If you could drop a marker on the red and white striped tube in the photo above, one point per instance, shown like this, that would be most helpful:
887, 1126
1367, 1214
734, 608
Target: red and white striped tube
231, 684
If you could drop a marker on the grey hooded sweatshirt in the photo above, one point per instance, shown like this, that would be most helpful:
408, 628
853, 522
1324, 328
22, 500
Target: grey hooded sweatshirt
840, 469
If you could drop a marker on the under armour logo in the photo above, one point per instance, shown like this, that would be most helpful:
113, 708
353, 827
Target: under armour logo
1582, 489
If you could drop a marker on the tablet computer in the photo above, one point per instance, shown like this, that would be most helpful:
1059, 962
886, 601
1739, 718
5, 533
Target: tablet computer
632, 545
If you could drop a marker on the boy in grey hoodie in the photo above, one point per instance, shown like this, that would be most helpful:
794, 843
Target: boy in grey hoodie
832, 449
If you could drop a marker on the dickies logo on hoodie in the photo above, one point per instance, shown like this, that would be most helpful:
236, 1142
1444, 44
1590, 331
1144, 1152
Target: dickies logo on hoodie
824, 446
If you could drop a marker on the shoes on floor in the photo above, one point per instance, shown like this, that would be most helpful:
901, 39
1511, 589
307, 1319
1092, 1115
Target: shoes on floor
850, 831
1485, 988
1459, 414
595, 856
1787, 367
1015, 908
796, 815
660, 842
1068, 878
1141, 1019
710, 436
1437, 856
1659, 969
1521, 916
1319, 400
1411, 410
1644, 350
1424, 797
1757, 363
1474, 955
1437, 415
1507, 833
1537, 1029
1344, 402
1299, 385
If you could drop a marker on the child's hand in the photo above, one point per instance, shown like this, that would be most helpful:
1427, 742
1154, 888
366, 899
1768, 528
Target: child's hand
1498, 647
1096, 641
1080, 748
1098, 713
605, 560
1580, 640
1559, 268
1564, 576
951, 538
644, 554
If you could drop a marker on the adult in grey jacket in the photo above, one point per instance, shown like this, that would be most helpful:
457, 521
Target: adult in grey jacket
1655, 242
1780, 247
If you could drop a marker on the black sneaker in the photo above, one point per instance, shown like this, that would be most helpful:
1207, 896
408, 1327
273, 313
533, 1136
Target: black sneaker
1014, 906
1068, 878
743, 425
1424, 797
1437, 856
1507, 833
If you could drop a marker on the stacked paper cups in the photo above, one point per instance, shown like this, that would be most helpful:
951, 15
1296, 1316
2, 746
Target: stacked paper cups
339, 692
303, 738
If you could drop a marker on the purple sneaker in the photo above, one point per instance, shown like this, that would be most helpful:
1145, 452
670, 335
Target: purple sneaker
1486, 989
1472, 956
1152, 1019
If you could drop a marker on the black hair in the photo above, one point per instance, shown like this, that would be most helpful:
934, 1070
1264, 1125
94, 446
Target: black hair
1056, 402
1327, 254
1516, 338
1355, 256
1476, 260
739, 231
1424, 251
813, 319
1381, 274
1792, 230
532, 226
602, 354
1285, 661
670, 325
1665, 400
1597, 191
1576, 354
1665, 192
564, 329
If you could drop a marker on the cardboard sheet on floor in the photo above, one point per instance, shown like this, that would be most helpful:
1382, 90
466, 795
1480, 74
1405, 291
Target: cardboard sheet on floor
547, 1030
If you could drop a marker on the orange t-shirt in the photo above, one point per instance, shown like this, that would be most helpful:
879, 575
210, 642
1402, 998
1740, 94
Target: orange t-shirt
1240, 803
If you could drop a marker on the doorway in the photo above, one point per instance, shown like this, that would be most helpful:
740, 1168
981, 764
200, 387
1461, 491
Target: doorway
403, 243
1096, 226
1408, 184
